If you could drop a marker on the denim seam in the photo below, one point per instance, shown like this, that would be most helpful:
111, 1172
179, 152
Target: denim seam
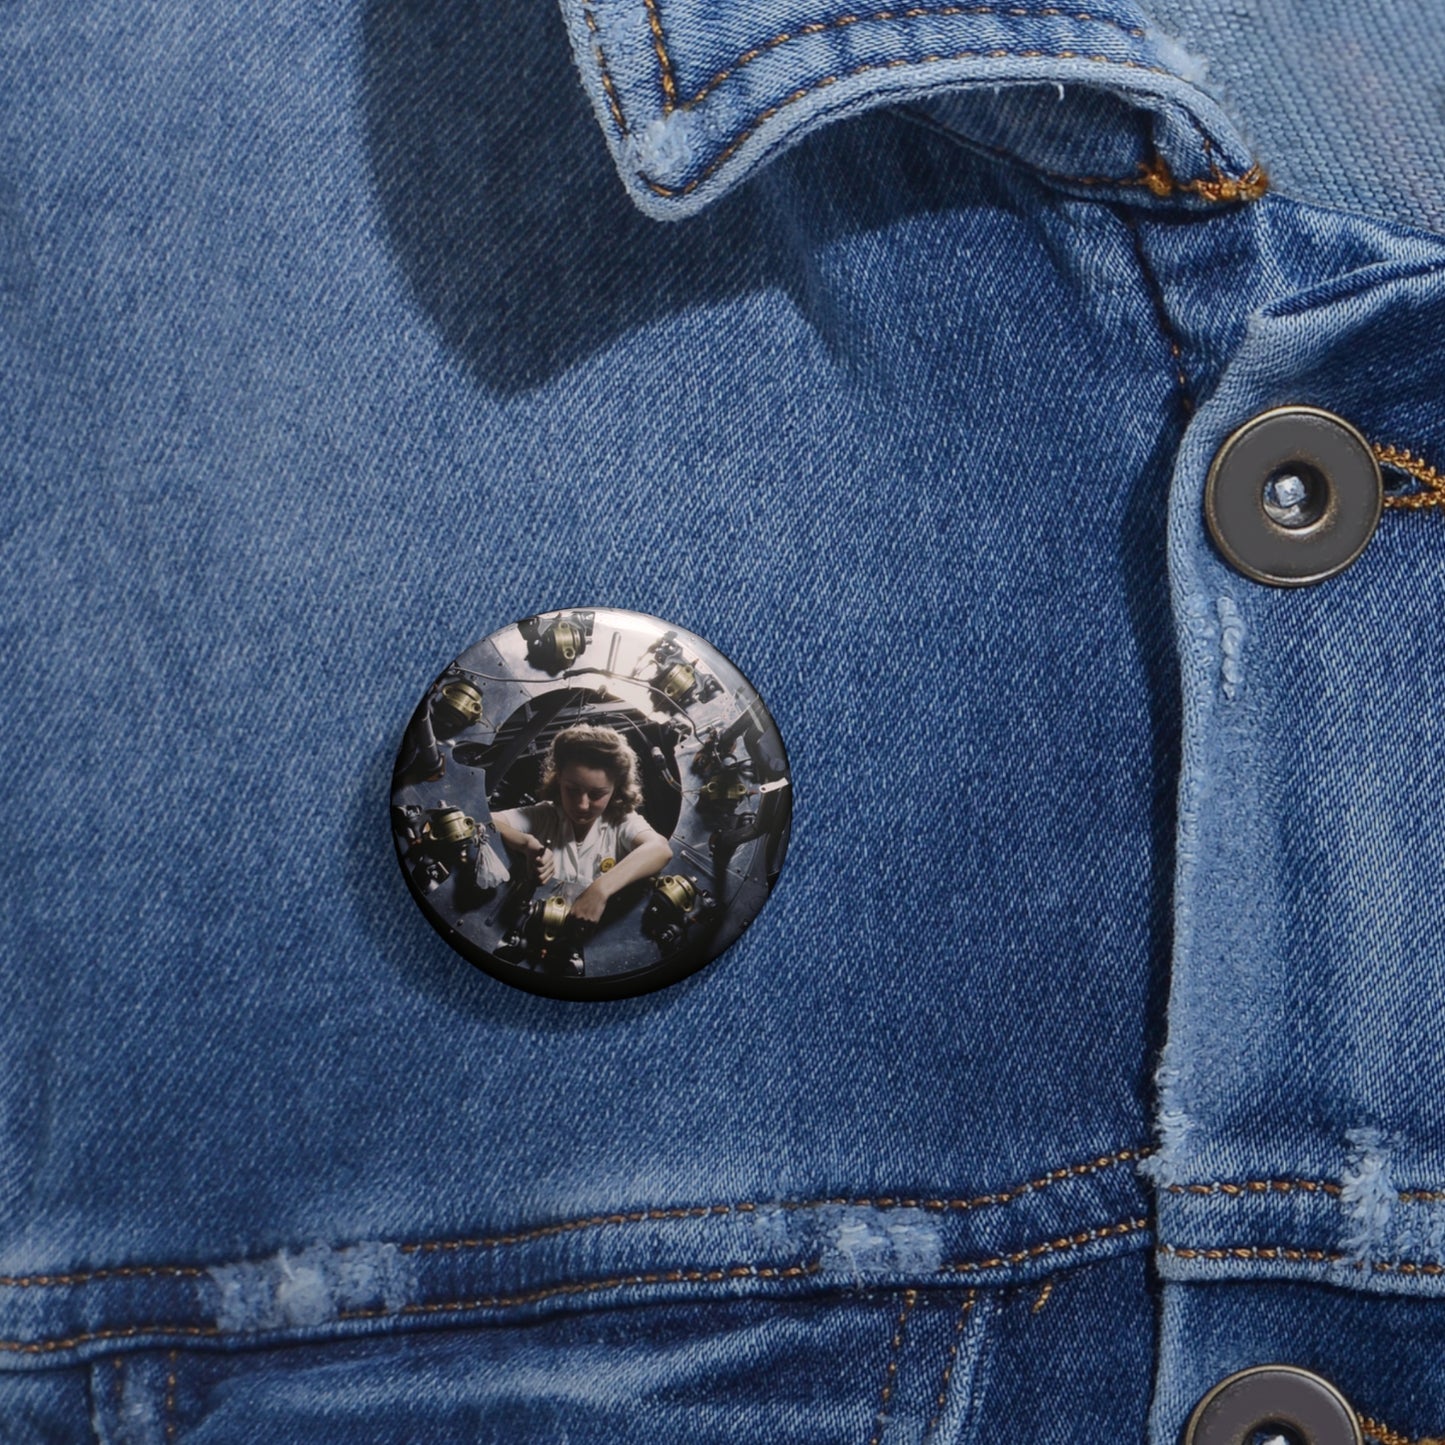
913, 12
1382, 1433
997, 1199
1235, 1190
585, 1287
1296, 1255
613, 100
1238, 1189
950, 1360
1045, 1294
1155, 177
168, 1414
1433, 496
1218, 188
1052, 1246
1161, 312
890, 1375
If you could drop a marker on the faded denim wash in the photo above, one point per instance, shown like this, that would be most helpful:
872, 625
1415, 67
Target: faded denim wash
1090, 1045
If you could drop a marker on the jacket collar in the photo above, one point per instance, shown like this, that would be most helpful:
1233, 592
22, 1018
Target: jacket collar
695, 95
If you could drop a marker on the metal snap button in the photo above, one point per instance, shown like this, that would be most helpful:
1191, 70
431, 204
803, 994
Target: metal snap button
1293, 496
1282, 1399
591, 803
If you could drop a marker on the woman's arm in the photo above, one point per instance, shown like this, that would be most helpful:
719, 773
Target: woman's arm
649, 857
538, 855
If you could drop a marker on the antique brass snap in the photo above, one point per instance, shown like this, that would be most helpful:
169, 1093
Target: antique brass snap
1278, 1399
1293, 496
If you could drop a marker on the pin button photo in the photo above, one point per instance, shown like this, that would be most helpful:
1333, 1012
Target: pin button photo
1293, 496
591, 803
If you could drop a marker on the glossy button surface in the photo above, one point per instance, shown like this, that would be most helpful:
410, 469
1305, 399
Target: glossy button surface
591, 803
1293, 496
1273, 1399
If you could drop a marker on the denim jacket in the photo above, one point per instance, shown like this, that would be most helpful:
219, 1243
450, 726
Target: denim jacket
1091, 1045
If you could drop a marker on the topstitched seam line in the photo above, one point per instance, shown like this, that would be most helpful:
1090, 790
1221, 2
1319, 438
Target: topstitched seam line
1433, 496
1154, 174
581, 1287
1051, 1246
664, 60
941, 1400
1296, 1255
1386, 1436
613, 101
1236, 1189
890, 1375
1218, 188
997, 1198
169, 1415
912, 12
1161, 312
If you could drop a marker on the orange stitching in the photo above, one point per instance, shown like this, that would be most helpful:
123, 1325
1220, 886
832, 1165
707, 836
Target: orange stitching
636, 1216
998, 1198
1157, 176
31, 1281
664, 60
766, 115
1219, 188
910, 1298
1259, 1186
1053, 1246
1052, 175
1432, 496
914, 12
612, 100
670, 1276
129, 1332
1044, 1296
1387, 1436
1296, 1256
1235, 1190
1253, 1251
942, 1402
1382, 1433
170, 1403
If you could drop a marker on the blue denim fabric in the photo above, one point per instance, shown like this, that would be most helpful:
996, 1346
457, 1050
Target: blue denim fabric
331, 343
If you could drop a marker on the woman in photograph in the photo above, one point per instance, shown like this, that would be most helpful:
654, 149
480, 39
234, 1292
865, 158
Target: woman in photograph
587, 829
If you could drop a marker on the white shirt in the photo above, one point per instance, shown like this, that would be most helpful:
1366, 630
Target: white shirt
579, 860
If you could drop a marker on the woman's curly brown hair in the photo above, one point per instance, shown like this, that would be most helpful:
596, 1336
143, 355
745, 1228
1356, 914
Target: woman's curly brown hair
595, 747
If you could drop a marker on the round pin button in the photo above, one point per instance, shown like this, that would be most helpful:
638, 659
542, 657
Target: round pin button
1293, 496
591, 803
1274, 1399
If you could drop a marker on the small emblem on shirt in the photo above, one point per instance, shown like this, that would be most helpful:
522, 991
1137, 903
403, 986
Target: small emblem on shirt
605, 864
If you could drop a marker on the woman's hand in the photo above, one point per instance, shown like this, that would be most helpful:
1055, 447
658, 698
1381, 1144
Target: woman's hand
590, 904
541, 859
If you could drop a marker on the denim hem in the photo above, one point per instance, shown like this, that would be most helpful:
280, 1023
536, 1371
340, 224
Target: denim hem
1083, 1212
